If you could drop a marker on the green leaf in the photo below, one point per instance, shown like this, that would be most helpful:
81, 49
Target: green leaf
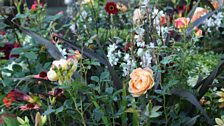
167, 60
49, 111
95, 78
104, 75
17, 68
20, 120
26, 119
53, 18
154, 112
60, 109
132, 110
31, 55
97, 114
17, 51
191, 121
109, 90
10, 121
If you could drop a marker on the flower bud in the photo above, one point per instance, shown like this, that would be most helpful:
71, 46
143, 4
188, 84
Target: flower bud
52, 75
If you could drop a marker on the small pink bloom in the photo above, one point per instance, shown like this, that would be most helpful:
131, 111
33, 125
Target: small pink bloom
60, 12
163, 20
3, 33
198, 32
29, 106
75, 55
35, 5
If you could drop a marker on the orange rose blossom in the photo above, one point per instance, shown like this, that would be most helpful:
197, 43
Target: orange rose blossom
141, 81
182, 22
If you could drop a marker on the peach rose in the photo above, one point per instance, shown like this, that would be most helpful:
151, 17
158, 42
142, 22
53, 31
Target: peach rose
141, 81
216, 4
198, 33
198, 13
121, 7
181, 22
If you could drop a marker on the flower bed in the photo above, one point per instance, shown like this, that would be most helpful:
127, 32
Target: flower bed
113, 63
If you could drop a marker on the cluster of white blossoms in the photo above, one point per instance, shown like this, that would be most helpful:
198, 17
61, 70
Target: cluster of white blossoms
62, 50
215, 21
146, 59
128, 64
143, 50
157, 16
27, 40
113, 54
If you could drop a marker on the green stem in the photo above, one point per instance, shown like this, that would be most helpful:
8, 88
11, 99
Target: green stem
164, 109
77, 109
135, 115
124, 103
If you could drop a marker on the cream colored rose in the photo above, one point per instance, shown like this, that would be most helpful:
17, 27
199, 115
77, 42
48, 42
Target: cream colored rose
137, 16
141, 81
52, 75
62, 63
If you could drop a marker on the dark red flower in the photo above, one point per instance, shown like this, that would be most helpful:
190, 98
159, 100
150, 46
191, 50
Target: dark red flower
181, 9
29, 106
57, 92
7, 48
171, 33
21, 96
41, 75
111, 8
